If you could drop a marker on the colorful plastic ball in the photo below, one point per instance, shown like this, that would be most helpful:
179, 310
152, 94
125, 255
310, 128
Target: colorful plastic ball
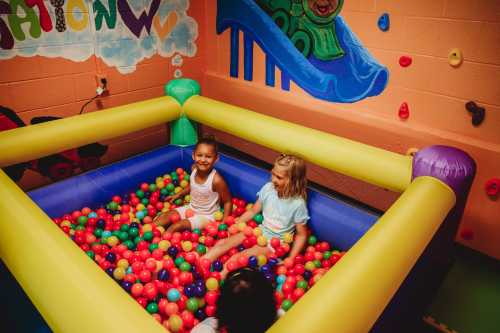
286, 304
127, 285
261, 259
163, 275
175, 323
192, 304
218, 216
189, 290
302, 284
119, 273
152, 307
171, 308
217, 265
173, 295
312, 240
200, 314
172, 251
212, 284
111, 257
258, 218
262, 241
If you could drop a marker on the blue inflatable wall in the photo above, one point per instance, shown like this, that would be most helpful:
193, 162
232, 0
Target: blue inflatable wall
335, 221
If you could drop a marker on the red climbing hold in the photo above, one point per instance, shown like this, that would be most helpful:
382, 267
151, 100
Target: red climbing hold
404, 111
405, 61
467, 234
492, 187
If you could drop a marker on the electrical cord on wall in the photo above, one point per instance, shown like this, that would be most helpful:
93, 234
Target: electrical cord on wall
100, 90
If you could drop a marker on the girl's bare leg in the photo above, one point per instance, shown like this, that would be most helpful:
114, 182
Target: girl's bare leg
179, 226
223, 246
253, 251
164, 218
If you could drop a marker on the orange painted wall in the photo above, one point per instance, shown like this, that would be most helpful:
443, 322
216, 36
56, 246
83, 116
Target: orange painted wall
435, 92
41, 86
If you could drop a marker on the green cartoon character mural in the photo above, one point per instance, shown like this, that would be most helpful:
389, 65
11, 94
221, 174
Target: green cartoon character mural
308, 24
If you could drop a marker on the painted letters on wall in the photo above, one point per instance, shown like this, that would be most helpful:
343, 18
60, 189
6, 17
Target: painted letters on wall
120, 32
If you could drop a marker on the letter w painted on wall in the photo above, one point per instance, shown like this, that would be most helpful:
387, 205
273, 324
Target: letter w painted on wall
136, 24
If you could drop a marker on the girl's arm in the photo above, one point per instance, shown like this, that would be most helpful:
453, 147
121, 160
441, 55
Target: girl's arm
300, 240
182, 193
225, 197
249, 214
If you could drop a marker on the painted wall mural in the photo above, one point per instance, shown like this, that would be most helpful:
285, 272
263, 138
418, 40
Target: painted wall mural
308, 41
120, 32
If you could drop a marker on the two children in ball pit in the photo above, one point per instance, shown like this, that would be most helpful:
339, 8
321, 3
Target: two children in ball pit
282, 202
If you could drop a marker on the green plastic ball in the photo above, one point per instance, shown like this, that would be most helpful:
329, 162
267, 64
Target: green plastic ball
222, 227
152, 187
170, 187
185, 266
201, 249
178, 261
312, 240
153, 246
148, 235
178, 202
123, 236
302, 284
82, 220
192, 304
124, 227
140, 194
327, 255
258, 218
286, 305
145, 201
90, 254
133, 232
152, 307
164, 191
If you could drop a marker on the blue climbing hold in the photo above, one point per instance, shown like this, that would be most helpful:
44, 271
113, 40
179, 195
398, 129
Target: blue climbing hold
384, 22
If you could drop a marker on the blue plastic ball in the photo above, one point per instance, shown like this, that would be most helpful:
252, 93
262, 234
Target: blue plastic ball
163, 275
173, 295
272, 262
127, 285
307, 275
217, 266
280, 279
100, 224
111, 257
92, 215
200, 314
252, 261
189, 290
199, 291
172, 251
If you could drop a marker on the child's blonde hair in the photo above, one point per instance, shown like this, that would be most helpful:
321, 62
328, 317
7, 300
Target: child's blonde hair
296, 170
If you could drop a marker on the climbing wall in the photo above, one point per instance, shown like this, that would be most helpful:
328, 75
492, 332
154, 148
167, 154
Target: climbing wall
443, 63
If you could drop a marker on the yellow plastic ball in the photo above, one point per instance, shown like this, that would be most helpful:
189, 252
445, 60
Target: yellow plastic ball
212, 284
241, 226
65, 223
147, 227
249, 206
288, 238
187, 198
218, 216
187, 246
139, 207
184, 183
119, 273
201, 240
257, 232
123, 263
261, 241
310, 266
177, 189
116, 217
160, 229
160, 184
71, 232
164, 244
175, 323
112, 240
261, 260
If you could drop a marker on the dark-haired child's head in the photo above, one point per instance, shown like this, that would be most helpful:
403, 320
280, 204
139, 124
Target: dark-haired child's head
246, 303
205, 154
207, 140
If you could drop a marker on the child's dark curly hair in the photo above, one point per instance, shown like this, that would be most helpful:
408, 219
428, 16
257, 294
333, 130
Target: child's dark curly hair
207, 140
246, 303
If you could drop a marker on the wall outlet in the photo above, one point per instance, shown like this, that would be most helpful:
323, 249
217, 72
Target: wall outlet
99, 79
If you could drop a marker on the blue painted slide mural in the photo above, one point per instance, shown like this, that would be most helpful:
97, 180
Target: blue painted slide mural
310, 44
